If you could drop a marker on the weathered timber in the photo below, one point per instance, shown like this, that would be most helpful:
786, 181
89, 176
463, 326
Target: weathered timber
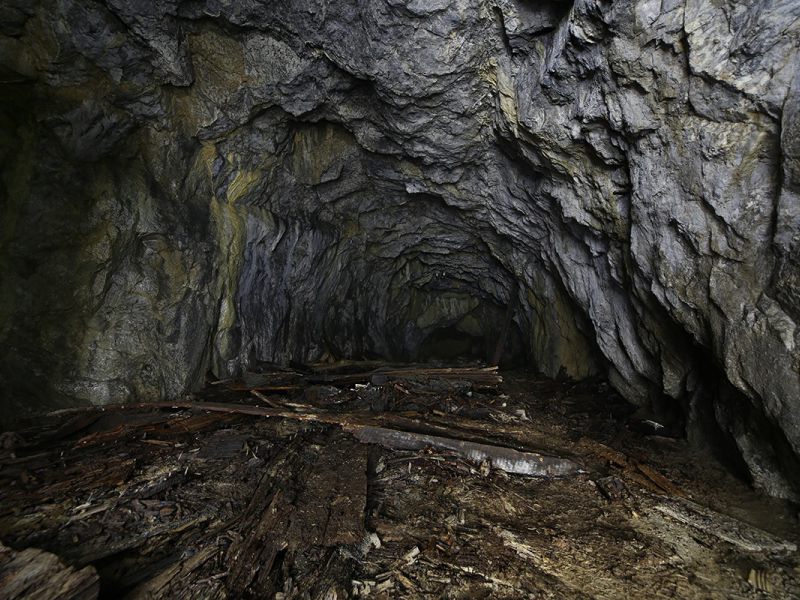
104, 546
482, 377
33, 573
263, 524
354, 422
505, 459
307, 499
170, 582
167, 427
633, 469
78, 478
723, 527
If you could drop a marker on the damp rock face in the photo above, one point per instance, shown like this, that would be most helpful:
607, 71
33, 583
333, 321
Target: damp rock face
202, 185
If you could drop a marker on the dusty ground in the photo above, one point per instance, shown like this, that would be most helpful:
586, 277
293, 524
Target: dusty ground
182, 503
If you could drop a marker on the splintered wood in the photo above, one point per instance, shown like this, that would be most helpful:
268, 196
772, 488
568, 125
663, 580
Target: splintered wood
363, 427
505, 459
205, 521
285, 380
34, 573
723, 527
374, 481
289, 515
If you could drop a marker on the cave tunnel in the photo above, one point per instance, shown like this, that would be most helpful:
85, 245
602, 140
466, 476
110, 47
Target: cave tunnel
390, 298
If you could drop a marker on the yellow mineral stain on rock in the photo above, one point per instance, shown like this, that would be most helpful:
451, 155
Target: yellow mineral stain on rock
241, 184
230, 224
218, 63
316, 149
566, 347
498, 79
507, 95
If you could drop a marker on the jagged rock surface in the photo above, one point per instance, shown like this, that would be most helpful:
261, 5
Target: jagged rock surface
201, 184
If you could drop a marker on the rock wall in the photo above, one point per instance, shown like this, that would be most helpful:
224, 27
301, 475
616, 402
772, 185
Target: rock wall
205, 185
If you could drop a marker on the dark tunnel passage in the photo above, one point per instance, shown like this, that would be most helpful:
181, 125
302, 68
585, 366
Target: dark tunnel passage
387, 298
463, 341
451, 344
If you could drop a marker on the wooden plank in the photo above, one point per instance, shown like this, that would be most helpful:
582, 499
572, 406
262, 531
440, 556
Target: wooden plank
642, 474
723, 527
95, 549
81, 477
505, 459
170, 582
312, 497
173, 426
33, 573
329, 510
251, 557
480, 376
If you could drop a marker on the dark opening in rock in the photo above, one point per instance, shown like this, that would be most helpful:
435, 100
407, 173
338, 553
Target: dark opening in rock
449, 344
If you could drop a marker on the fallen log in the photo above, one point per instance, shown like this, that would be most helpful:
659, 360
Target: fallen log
723, 527
482, 377
645, 476
505, 459
34, 573
275, 389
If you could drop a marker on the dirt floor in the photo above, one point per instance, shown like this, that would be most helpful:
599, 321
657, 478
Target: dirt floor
288, 503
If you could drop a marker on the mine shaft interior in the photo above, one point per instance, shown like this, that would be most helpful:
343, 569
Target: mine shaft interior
399, 299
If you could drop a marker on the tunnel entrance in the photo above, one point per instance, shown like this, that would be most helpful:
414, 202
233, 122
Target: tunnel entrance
454, 345
449, 344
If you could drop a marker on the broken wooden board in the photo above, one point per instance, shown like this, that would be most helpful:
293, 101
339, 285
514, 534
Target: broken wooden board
481, 377
329, 509
171, 581
168, 426
96, 549
633, 469
723, 527
505, 459
33, 573
78, 478
307, 501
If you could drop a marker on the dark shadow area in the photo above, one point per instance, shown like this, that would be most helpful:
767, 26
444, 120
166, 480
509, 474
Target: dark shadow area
448, 344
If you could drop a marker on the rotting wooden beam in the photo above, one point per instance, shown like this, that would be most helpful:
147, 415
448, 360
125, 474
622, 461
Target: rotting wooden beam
34, 573
486, 377
368, 427
505, 459
726, 528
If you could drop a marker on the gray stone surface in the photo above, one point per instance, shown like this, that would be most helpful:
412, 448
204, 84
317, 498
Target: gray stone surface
205, 185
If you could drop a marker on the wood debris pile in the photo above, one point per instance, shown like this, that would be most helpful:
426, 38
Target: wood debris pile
403, 483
